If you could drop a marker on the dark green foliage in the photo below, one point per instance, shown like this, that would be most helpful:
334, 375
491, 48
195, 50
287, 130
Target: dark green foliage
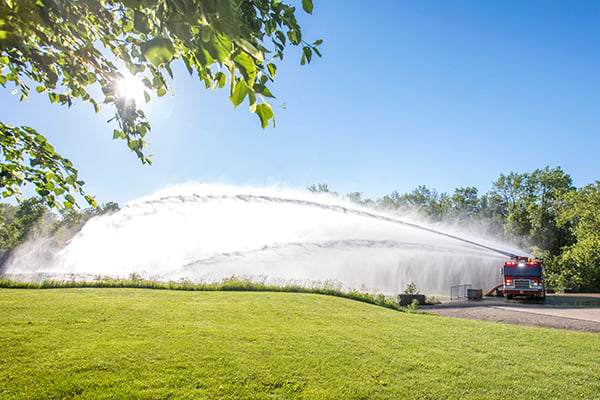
578, 266
62, 48
28, 157
530, 202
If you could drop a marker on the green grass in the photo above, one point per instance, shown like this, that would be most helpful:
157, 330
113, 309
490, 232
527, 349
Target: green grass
156, 344
234, 283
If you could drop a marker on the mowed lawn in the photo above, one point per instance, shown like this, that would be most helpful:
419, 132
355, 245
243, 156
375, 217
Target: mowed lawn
163, 344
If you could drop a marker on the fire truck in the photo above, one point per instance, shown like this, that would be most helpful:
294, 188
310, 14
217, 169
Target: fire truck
524, 277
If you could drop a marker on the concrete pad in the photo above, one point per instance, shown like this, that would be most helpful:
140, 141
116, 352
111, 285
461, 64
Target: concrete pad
527, 312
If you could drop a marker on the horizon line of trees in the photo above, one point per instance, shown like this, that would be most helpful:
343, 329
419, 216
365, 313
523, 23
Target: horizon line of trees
540, 211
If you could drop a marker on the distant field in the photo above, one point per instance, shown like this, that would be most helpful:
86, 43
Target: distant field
155, 344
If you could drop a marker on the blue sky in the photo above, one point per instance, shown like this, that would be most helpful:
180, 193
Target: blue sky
438, 93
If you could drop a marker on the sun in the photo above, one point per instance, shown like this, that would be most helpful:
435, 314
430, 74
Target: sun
132, 88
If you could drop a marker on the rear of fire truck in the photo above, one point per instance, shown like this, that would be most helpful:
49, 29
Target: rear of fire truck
524, 277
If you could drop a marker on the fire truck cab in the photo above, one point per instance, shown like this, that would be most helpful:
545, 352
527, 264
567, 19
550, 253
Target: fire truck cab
523, 277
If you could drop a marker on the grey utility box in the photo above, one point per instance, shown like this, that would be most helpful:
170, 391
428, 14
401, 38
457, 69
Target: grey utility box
474, 294
407, 299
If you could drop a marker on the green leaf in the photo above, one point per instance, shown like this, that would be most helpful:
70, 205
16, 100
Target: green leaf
206, 34
266, 92
136, 68
239, 93
160, 92
91, 200
140, 22
221, 79
307, 5
219, 48
272, 69
71, 179
265, 113
250, 49
281, 37
308, 53
228, 18
295, 36
245, 64
96, 106
158, 51
252, 101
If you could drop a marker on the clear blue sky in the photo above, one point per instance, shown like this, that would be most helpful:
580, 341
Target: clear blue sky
438, 93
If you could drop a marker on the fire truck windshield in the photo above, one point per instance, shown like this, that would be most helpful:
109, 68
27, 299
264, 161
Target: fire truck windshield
523, 271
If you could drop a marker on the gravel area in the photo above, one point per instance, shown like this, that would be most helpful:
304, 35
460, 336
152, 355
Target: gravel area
560, 311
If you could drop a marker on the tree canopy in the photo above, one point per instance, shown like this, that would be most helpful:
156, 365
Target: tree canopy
62, 48
579, 264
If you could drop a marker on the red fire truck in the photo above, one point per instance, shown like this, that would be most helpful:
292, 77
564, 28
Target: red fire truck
524, 276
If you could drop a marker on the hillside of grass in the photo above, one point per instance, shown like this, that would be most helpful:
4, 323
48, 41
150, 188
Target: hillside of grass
157, 344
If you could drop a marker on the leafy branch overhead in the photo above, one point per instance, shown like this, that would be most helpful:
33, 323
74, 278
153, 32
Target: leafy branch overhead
63, 47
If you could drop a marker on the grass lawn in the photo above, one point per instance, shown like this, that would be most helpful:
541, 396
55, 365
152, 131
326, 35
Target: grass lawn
158, 344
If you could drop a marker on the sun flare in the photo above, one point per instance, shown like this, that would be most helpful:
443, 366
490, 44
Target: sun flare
132, 88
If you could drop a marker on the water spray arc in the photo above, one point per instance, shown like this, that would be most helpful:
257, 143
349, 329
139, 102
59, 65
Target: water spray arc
208, 233
337, 208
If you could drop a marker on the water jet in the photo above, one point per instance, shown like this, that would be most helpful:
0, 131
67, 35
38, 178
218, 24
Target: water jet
209, 232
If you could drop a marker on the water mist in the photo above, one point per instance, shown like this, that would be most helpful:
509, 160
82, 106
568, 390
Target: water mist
207, 233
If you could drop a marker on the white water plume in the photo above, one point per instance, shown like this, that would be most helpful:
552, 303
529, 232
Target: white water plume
208, 233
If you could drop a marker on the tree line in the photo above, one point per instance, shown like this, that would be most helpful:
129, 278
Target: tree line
32, 218
540, 211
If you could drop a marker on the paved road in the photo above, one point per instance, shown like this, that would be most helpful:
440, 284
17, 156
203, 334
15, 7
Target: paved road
567, 315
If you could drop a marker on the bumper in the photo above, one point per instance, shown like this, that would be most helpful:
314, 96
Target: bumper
538, 292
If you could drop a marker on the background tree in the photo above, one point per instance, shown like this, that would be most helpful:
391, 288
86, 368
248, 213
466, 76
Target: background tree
465, 202
578, 266
63, 47
26, 221
321, 188
393, 201
510, 191
32, 219
427, 202
530, 201
492, 214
